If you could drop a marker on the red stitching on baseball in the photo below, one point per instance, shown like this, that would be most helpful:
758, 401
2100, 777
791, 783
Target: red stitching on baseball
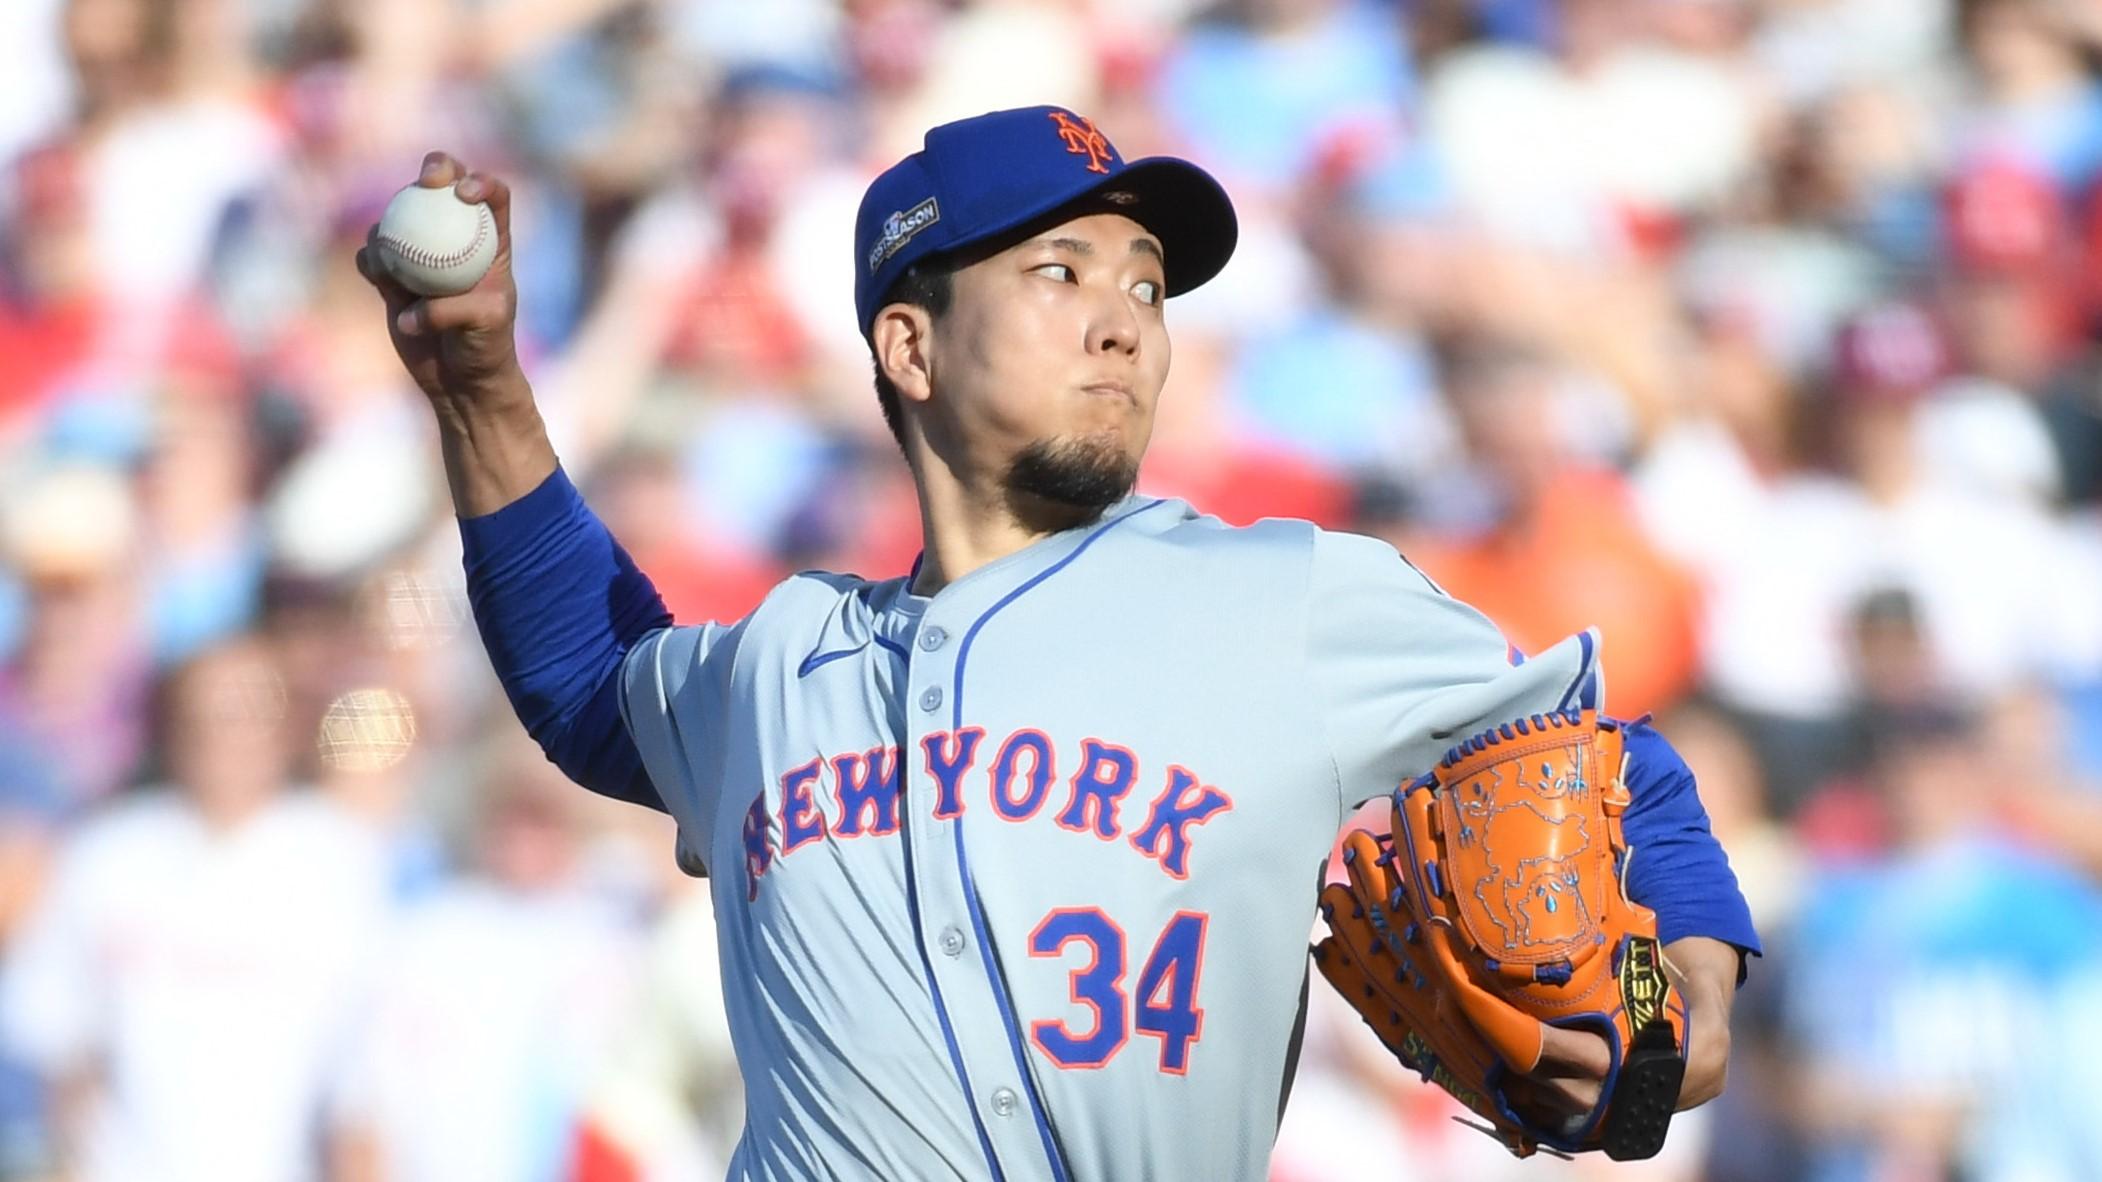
484, 222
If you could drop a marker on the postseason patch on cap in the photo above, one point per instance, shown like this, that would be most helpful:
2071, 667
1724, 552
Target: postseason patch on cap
899, 228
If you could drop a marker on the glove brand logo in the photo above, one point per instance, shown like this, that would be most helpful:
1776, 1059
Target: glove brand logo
1642, 983
1417, 1052
899, 228
1082, 139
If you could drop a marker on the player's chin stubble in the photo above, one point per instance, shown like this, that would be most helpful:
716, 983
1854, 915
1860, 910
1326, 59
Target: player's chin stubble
1064, 483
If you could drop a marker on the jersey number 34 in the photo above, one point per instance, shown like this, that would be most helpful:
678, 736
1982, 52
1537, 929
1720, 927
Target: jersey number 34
1164, 1005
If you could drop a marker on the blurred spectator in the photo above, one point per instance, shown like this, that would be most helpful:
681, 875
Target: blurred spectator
170, 133
75, 689
493, 998
1350, 382
988, 55
1751, 1140
738, 332
796, 34
1262, 88
1764, 855
187, 979
1202, 455
2035, 100
1809, 545
377, 676
1894, 669
667, 1102
2072, 410
1896, 678
32, 57
2023, 421
1574, 144
1557, 549
2050, 801
53, 312
2010, 300
2072, 400
205, 544
1987, 631
1931, 989
1810, 49
639, 495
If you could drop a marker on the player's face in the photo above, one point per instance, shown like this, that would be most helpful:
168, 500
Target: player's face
1049, 365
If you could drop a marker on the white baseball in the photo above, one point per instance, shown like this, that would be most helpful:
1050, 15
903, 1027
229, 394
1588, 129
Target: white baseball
435, 243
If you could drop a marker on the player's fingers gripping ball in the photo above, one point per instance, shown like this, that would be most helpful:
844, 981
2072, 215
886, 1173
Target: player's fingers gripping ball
434, 242
1499, 906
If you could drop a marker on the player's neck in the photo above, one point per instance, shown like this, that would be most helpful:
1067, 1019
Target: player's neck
963, 529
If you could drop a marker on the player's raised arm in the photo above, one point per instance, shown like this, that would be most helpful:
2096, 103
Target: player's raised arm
558, 602
460, 350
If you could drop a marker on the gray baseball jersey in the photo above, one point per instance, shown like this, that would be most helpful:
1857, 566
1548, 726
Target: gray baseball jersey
1015, 881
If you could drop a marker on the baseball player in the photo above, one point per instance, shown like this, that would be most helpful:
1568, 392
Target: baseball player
1014, 856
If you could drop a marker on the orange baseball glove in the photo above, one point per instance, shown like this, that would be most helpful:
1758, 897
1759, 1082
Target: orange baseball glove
1497, 907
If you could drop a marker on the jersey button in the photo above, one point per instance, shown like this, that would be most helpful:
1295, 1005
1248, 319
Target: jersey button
1004, 1101
933, 638
952, 942
931, 699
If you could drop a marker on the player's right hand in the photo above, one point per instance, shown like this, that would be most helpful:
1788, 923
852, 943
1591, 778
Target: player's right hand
1567, 1082
459, 347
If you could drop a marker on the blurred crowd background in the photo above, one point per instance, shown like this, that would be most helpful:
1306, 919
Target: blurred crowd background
1765, 335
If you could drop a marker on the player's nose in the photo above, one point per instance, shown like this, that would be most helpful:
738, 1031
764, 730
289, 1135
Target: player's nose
1113, 326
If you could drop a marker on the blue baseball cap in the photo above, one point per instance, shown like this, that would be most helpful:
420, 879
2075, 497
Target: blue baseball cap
978, 178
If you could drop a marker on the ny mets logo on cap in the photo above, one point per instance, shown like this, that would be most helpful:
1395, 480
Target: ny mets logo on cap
899, 228
1082, 139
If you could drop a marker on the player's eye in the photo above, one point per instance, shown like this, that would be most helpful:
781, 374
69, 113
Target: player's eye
1065, 277
1148, 291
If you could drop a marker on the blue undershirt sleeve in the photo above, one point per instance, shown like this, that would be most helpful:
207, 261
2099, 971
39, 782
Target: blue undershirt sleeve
1678, 868
559, 604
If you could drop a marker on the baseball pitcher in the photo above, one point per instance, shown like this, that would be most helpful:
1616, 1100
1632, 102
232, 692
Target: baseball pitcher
1014, 856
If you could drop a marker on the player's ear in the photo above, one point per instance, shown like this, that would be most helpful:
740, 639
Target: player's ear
899, 337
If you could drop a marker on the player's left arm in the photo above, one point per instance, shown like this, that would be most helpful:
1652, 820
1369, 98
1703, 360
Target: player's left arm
1705, 971
1400, 669
1680, 871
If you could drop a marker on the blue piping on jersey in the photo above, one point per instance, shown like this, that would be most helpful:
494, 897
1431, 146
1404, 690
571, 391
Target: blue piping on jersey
1583, 688
818, 660
963, 864
1007, 1016
941, 1011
